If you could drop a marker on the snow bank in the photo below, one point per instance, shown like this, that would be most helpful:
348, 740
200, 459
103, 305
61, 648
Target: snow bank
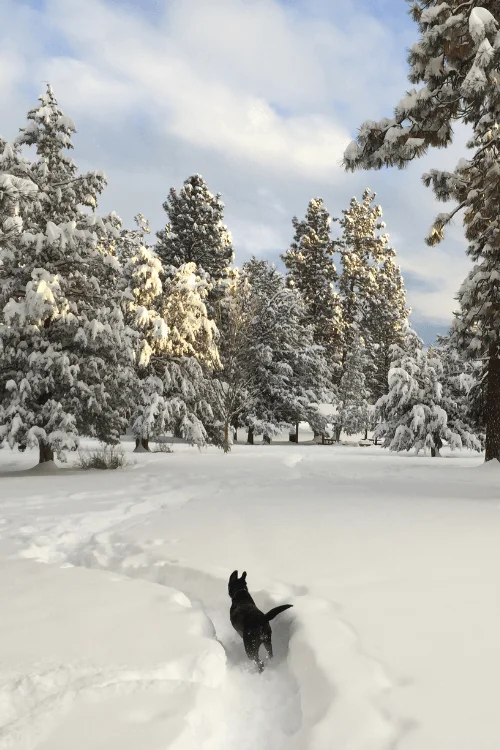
80, 648
340, 686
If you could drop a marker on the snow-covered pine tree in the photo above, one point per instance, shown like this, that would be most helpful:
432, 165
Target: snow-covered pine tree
16, 195
234, 385
354, 413
196, 233
291, 370
361, 249
463, 385
455, 65
177, 346
416, 411
386, 321
311, 270
190, 355
131, 240
67, 356
142, 274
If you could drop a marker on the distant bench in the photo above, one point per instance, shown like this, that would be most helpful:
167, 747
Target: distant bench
327, 440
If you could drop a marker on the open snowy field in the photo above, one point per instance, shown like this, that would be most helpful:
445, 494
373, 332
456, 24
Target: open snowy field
114, 624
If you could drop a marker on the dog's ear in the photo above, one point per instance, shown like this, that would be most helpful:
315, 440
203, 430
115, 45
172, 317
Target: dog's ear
234, 575
244, 575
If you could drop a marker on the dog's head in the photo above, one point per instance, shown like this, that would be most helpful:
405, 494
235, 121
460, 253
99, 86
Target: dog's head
237, 584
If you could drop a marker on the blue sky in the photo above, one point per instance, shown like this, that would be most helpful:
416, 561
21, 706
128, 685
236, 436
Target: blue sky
259, 96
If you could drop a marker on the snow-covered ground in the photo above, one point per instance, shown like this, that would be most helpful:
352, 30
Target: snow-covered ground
114, 626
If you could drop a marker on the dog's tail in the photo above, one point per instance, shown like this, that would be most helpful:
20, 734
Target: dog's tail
276, 611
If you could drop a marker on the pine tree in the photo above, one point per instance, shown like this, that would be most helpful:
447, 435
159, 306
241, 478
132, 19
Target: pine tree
234, 385
142, 273
177, 346
455, 62
463, 382
353, 413
131, 240
196, 233
311, 270
361, 249
372, 298
67, 357
419, 411
16, 195
386, 321
291, 370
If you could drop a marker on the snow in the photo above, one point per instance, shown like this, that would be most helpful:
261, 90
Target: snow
480, 22
115, 627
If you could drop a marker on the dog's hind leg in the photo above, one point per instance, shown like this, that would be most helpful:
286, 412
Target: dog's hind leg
268, 645
252, 650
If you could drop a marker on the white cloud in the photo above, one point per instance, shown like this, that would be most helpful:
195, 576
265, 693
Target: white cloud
125, 61
259, 96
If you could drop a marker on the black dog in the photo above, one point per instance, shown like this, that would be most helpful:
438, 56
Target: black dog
248, 621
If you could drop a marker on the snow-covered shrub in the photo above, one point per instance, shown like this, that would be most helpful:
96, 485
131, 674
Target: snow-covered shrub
104, 457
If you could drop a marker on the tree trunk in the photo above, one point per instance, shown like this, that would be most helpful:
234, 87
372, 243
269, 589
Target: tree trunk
143, 442
296, 432
338, 431
225, 444
366, 433
46, 452
235, 436
436, 448
266, 439
250, 436
492, 410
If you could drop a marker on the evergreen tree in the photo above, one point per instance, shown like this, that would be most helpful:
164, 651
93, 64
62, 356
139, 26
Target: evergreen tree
455, 62
142, 272
16, 195
463, 381
311, 270
386, 322
361, 249
353, 410
131, 240
419, 411
67, 357
291, 370
234, 385
272, 374
196, 233
177, 346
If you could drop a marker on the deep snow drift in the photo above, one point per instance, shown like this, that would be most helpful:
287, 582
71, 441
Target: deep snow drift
114, 626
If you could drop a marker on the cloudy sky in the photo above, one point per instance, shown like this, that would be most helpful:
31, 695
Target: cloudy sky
258, 96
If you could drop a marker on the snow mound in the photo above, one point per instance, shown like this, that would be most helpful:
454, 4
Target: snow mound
48, 467
492, 465
114, 644
340, 686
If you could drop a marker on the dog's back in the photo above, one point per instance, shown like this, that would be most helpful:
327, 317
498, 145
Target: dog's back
244, 613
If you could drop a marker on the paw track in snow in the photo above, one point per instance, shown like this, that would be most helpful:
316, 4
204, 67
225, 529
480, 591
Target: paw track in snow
293, 459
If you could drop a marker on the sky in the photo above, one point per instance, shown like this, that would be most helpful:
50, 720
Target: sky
261, 97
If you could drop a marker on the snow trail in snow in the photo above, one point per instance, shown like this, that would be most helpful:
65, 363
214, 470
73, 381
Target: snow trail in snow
294, 704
